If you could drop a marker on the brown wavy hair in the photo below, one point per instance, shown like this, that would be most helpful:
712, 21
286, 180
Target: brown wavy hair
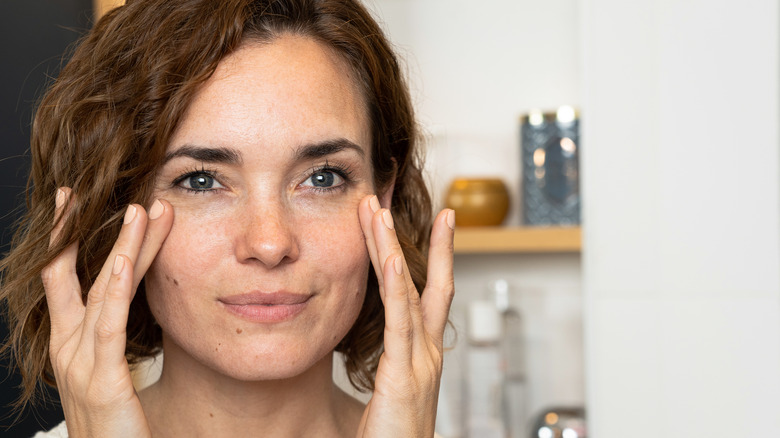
103, 127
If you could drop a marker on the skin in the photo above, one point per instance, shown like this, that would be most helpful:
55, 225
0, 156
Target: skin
267, 219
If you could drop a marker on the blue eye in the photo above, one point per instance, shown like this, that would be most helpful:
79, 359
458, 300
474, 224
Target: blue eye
324, 179
200, 181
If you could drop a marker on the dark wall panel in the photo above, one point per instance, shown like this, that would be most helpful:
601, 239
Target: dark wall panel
34, 36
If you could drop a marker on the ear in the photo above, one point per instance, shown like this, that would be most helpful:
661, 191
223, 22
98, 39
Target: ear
386, 197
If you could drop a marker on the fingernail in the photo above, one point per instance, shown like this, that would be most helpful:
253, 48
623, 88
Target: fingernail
119, 264
374, 204
387, 218
398, 264
59, 200
156, 210
130, 214
451, 219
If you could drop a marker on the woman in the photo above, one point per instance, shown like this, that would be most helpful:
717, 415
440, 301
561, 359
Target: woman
258, 162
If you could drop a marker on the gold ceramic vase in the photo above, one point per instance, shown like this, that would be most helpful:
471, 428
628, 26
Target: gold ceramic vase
478, 202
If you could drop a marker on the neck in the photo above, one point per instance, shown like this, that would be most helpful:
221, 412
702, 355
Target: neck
191, 399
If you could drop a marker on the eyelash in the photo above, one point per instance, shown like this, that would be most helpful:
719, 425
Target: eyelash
345, 172
195, 172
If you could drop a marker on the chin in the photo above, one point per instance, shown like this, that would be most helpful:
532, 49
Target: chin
253, 358
278, 365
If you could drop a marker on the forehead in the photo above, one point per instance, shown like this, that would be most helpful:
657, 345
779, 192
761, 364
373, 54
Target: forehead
275, 95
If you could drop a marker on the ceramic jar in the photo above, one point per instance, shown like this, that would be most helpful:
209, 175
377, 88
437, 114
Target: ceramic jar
478, 202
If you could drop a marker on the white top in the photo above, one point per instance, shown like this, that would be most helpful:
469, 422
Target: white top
61, 431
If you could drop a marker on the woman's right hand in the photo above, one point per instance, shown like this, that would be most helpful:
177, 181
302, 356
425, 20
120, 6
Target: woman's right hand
87, 344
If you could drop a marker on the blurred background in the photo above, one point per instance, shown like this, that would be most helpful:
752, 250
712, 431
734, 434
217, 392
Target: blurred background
666, 321
655, 310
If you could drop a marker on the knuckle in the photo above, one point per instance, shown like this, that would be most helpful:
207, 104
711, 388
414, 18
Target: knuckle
47, 276
105, 331
100, 283
115, 293
396, 248
54, 272
405, 332
438, 364
429, 375
59, 364
401, 330
50, 273
94, 300
448, 288
72, 377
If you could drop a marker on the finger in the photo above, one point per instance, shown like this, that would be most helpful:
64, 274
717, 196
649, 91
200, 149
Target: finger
111, 327
61, 206
366, 210
389, 248
128, 244
60, 281
440, 288
399, 327
158, 226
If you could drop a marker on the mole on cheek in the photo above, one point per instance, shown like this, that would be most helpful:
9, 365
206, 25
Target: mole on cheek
176, 282
238, 330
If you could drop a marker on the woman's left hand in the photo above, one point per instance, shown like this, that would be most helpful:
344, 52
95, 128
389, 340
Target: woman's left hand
407, 381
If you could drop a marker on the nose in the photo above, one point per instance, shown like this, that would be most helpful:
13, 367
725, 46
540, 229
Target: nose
267, 235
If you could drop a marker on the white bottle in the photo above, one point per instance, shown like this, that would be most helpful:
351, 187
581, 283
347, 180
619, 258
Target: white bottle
485, 411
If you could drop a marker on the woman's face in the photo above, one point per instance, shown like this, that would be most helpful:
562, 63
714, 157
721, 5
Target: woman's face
265, 268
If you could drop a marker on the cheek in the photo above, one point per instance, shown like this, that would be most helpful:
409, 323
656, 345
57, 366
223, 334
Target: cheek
333, 248
197, 240
188, 251
332, 237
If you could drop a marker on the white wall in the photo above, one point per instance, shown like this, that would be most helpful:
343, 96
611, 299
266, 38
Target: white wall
681, 181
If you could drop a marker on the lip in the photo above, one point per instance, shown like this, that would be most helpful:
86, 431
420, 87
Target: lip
265, 307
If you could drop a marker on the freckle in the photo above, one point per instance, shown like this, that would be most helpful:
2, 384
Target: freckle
167, 277
211, 415
238, 330
176, 282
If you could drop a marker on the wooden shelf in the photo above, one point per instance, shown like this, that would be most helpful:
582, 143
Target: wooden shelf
517, 240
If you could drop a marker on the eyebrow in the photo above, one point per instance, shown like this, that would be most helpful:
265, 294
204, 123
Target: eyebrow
207, 154
233, 156
325, 148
